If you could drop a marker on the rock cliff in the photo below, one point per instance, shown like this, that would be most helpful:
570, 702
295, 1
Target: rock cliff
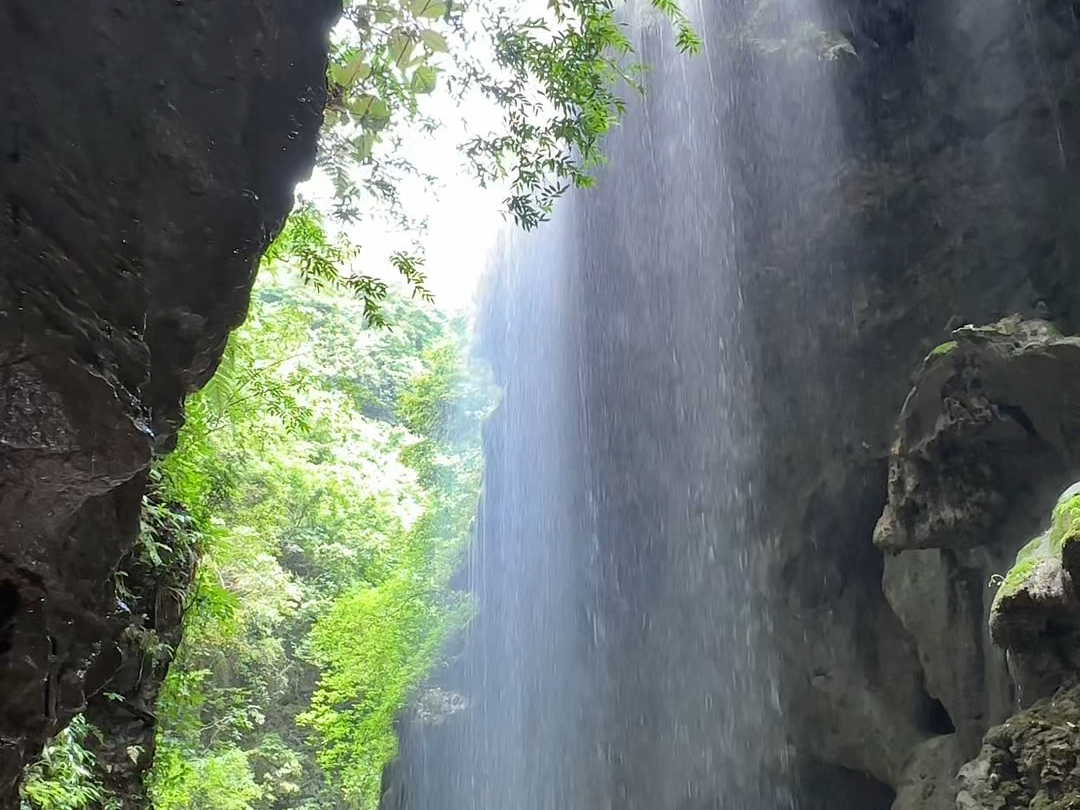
954, 208
148, 154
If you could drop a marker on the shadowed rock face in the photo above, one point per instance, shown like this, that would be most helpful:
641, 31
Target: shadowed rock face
989, 422
986, 439
148, 153
953, 206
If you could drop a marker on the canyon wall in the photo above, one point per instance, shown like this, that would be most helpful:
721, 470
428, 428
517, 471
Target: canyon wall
148, 154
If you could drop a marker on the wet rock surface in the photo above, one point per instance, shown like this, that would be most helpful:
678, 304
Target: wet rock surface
930, 781
988, 430
148, 154
1035, 616
954, 205
985, 442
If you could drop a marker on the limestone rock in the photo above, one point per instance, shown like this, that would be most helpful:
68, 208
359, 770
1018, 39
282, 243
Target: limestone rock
863, 704
1031, 762
930, 777
1036, 612
985, 439
938, 596
986, 423
1034, 594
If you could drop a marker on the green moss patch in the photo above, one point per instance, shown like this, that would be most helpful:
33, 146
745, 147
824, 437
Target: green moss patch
1028, 558
1065, 528
943, 349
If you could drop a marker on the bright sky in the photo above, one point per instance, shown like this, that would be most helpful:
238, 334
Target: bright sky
463, 219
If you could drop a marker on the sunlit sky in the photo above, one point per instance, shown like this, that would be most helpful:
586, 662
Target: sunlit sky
463, 219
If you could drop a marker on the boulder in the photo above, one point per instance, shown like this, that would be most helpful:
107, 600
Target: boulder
1035, 615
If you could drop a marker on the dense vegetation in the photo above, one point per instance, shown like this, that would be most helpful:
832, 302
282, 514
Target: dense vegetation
326, 478
329, 473
346, 466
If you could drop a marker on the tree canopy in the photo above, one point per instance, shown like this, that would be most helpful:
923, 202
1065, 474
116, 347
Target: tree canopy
556, 71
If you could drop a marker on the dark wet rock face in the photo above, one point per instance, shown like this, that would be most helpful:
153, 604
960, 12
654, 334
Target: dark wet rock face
987, 438
955, 205
987, 426
123, 682
930, 777
148, 153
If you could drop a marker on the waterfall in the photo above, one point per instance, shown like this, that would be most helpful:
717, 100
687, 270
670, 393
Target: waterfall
621, 655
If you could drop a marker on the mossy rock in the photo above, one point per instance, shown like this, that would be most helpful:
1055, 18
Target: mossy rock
1065, 531
1033, 561
1038, 592
1030, 762
1032, 591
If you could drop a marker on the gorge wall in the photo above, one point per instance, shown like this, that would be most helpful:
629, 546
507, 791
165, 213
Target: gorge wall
945, 194
957, 207
148, 154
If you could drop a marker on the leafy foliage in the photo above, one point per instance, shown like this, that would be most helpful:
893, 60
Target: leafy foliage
328, 543
557, 79
381, 638
304, 245
63, 779
555, 74
376, 645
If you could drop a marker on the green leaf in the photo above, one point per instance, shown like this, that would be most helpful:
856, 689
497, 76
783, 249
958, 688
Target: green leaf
401, 46
434, 41
356, 70
371, 108
424, 79
364, 145
347, 73
427, 9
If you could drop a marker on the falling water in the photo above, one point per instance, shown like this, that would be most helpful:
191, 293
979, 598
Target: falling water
621, 656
